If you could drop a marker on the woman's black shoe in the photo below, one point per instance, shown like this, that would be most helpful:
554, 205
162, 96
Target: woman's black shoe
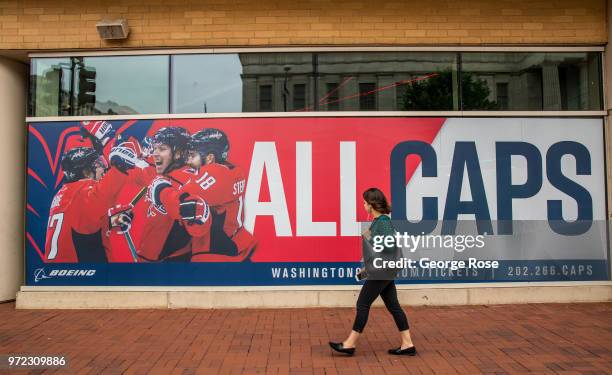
399, 351
337, 346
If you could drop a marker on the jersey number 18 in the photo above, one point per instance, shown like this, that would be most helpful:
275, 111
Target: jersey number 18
206, 181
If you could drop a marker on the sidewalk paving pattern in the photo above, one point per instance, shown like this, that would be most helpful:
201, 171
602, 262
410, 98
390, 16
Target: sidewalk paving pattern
502, 339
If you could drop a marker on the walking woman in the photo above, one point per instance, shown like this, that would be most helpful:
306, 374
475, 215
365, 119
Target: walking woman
376, 205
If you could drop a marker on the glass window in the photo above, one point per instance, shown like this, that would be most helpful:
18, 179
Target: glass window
327, 81
265, 98
400, 94
122, 85
246, 82
502, 96
207, 83
331, 98
299, 97
532, 81
110, 85
367, 96
281, 71
386, 81
50, 83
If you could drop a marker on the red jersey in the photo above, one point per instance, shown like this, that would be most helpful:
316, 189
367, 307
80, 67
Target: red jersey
78, 219
222, 186
165, 237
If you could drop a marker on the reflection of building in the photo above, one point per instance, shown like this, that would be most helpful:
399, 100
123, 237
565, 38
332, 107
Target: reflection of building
536, 81
263, 81
344, 82
372, 81
50, 94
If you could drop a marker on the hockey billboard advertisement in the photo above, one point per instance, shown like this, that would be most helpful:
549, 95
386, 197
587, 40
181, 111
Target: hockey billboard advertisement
278, 201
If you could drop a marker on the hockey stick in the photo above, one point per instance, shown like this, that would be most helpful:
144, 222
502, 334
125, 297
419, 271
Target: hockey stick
126, 234
139, 196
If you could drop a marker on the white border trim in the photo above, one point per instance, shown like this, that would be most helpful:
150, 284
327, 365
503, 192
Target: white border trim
32, 288
325, 114
185, 51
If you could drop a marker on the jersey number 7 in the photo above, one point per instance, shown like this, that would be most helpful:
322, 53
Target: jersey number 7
56, 220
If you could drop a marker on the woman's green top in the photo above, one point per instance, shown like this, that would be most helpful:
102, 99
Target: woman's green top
381, 226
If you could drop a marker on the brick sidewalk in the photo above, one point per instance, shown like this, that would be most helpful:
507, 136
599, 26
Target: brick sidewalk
547, 338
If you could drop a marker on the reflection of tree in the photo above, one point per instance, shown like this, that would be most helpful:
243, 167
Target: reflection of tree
436, 93
475, 93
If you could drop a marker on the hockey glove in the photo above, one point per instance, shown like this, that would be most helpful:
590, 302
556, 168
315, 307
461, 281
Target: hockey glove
101, 131
154, 192
121, 217
193, 210
148, 146
126, 156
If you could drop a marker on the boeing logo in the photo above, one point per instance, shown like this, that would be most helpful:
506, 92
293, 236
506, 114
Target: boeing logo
40, 274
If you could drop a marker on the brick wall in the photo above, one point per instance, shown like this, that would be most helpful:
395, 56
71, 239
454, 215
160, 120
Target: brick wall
63, 24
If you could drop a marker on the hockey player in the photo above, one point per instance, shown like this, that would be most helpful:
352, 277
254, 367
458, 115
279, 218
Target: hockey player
77, 216
222, 186
168, 228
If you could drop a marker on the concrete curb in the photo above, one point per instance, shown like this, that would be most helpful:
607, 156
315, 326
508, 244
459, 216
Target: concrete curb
207, 299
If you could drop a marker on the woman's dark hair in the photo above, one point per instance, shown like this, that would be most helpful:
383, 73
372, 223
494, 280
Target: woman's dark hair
377, 200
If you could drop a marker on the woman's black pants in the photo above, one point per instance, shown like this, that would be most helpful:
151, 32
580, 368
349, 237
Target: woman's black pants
369, 292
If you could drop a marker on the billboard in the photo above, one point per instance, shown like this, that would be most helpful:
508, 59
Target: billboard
143, 202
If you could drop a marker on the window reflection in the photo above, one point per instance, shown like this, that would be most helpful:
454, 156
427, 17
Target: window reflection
122, 85
50, 82
265, 98
304, 82
117, 85
299, 96
283, 81
386, 81
206, 83
535, 81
